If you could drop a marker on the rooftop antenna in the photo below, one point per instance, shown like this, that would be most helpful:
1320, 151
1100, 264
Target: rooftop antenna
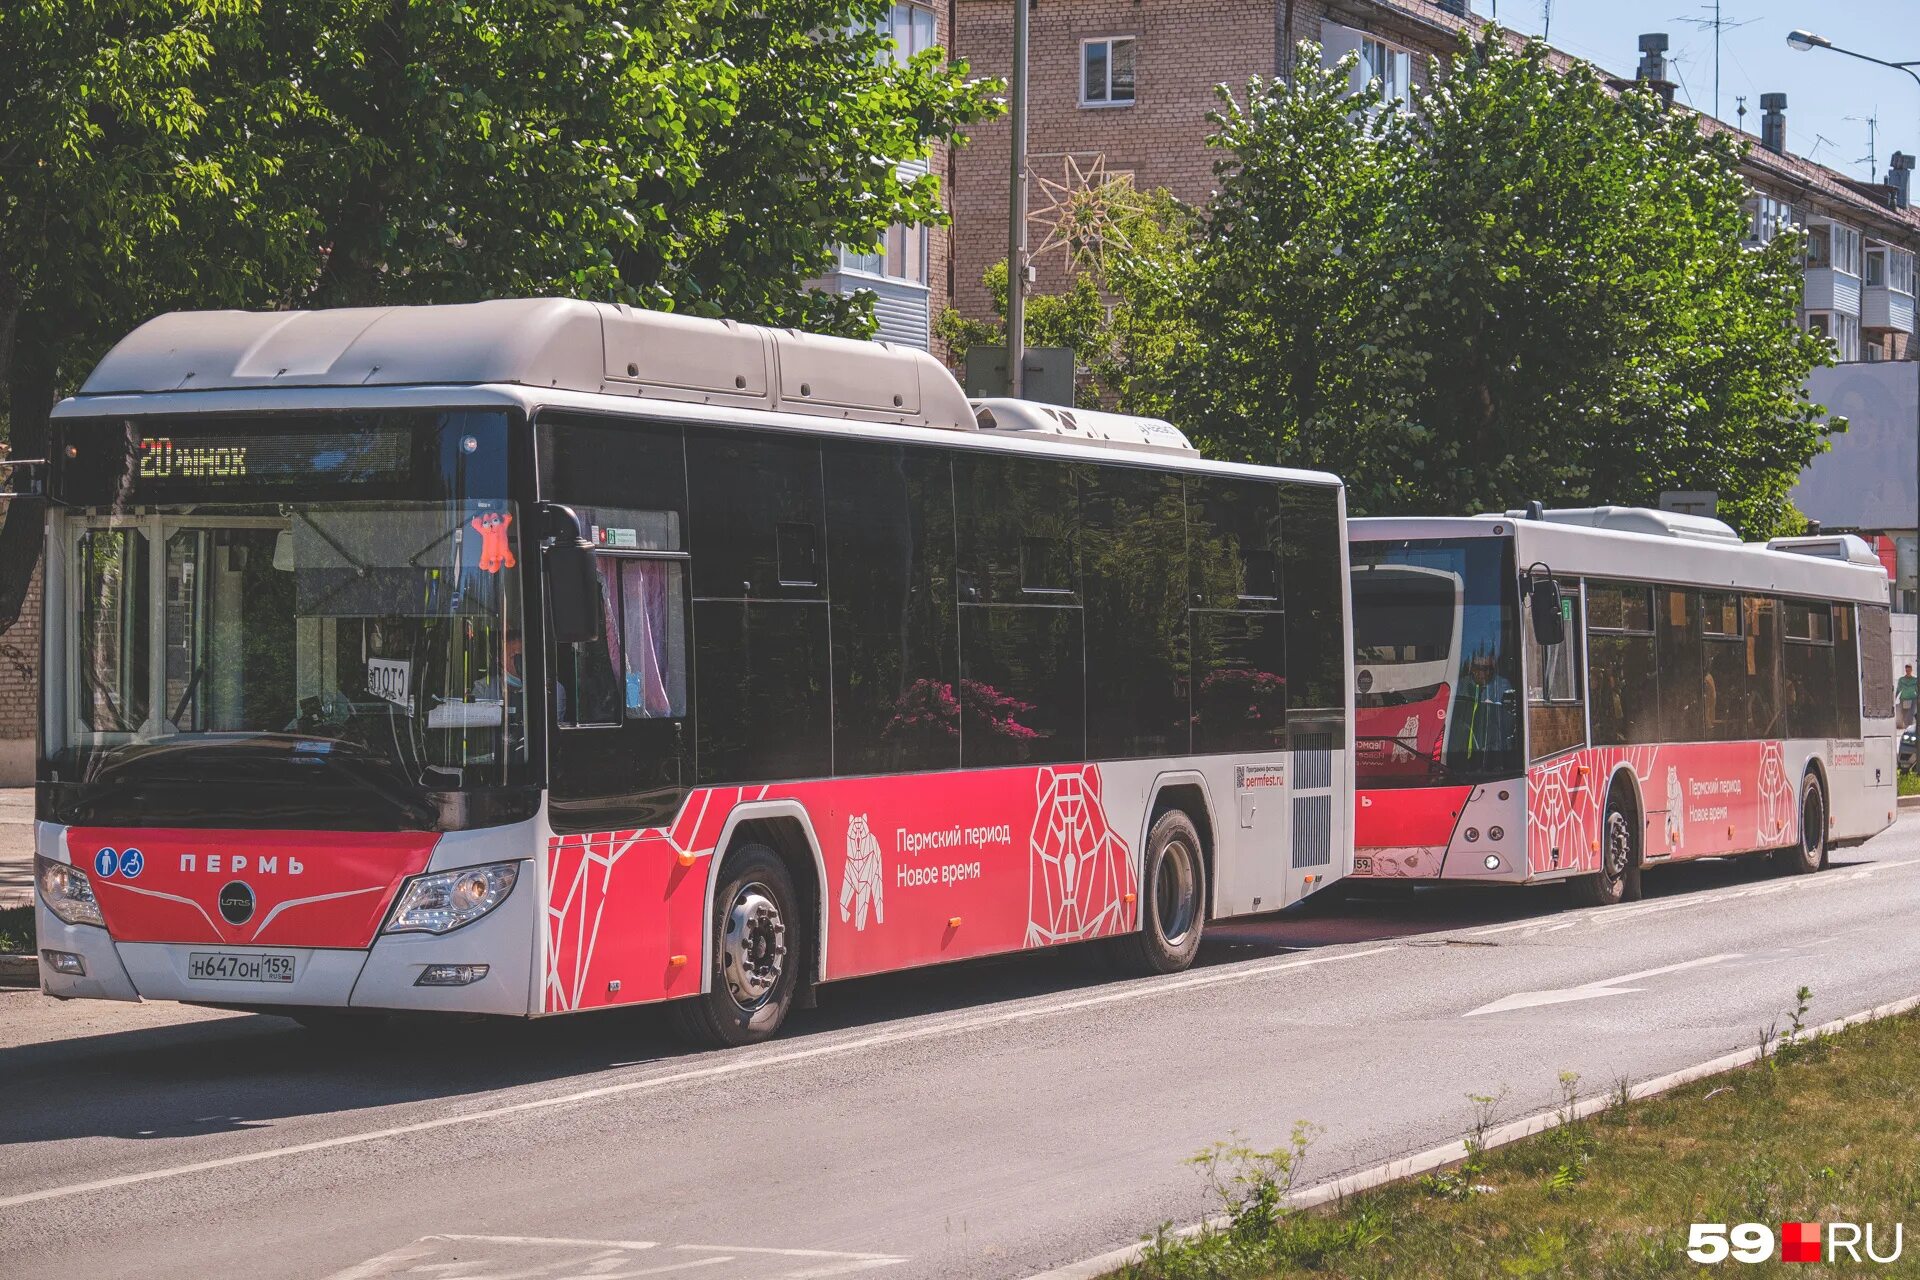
1741, 111
1871, 159
1819, 140
1716, 24
1546, 18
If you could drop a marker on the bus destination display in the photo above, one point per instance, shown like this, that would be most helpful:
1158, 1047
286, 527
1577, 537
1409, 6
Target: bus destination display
255, 459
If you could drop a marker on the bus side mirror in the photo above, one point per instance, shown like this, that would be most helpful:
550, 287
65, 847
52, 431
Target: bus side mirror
1548, 627
573, 583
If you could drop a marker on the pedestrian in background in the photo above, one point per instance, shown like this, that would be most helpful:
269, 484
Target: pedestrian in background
1905, 692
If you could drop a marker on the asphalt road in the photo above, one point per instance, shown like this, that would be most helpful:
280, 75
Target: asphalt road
985, 1120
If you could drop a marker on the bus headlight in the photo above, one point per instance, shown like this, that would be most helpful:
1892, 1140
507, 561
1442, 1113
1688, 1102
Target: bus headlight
446, 900
68, 893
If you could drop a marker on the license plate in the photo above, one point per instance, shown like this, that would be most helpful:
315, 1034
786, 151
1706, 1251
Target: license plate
229, 966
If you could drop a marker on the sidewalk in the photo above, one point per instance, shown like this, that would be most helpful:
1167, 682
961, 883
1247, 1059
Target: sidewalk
16, 846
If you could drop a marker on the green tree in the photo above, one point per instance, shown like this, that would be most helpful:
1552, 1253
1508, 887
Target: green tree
1529, 286
694, 155
1123, 315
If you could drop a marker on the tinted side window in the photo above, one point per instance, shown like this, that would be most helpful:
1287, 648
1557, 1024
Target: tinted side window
1727, 690
760, 614
1765, 716
1846, 675
1315, 603
1022, 643
1682, 664
1234, 542
756, 515
762, 679
1133, 548
1806, 668
1240, 691
896, 660
1623, 689
1876, 661
1016, 524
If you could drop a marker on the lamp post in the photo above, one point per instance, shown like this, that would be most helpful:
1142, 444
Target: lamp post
1806, 41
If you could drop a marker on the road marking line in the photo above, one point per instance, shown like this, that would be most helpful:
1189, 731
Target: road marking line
1592, 990
1139, 991
1707, 898
836, 1262
1453, 1152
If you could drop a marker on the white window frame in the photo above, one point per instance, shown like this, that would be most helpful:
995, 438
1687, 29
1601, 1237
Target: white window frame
897, 243
1391, 65
901, 18
1839, 328
1111, 42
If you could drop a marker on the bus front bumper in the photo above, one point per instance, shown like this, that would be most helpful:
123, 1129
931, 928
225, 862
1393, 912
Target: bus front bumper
392, 974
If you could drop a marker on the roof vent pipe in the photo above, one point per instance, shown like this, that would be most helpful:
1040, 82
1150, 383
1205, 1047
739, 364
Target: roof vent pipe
1900, 178
1773, 122
1653, 65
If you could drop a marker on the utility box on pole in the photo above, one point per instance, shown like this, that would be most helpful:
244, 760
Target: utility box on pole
1046, 374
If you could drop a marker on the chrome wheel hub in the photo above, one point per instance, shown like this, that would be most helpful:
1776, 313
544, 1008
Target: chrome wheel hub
1175, 892
1619, 846
754, 948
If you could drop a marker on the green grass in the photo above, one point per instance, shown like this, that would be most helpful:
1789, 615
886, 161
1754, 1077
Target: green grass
1821, 1131
1909, 783
16, 930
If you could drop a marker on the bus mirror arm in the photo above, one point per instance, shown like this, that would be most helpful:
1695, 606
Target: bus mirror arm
573, 583
1543, 590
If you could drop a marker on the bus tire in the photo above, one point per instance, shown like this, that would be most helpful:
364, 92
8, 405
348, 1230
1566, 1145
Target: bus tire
1618, 879
756, 936
1173, 901
1810, 854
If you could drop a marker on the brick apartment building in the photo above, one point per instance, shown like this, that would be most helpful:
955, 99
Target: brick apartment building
1120, 90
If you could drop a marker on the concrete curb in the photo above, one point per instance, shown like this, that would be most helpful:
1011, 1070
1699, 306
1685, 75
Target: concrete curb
1454, 1152
1910, 802
19, 971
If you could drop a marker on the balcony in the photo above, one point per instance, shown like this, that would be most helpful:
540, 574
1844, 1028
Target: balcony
1884, 307
1831, 289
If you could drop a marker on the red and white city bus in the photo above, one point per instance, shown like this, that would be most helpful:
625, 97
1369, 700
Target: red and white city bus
538, 656
1623, 688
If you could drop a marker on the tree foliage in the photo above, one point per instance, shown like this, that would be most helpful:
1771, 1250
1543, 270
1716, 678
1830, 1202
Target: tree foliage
1124, 316
695, 155
1530, 286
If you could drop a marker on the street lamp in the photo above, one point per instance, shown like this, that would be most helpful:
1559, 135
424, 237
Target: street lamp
1806, 41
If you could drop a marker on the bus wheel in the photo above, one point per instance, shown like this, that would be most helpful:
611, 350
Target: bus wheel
1618, 879
756, 954
1810, 854
1173, 907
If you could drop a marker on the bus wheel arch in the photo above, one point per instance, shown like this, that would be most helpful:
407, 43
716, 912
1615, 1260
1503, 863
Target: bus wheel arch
1186, 792
1623, 844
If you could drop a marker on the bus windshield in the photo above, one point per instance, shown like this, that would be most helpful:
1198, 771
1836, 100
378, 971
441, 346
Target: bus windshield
1436, 664
312, 621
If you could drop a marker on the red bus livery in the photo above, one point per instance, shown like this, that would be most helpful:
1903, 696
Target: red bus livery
538, 656
1621, 688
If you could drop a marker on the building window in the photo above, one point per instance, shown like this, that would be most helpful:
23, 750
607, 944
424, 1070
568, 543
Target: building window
1769, 216
1392, 67
1840, 329
1106, 72
911, 28
1888, 267
1830, 244
902, 255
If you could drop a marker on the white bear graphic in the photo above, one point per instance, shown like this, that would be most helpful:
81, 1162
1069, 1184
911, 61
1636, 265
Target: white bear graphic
1676, 805
862, 883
